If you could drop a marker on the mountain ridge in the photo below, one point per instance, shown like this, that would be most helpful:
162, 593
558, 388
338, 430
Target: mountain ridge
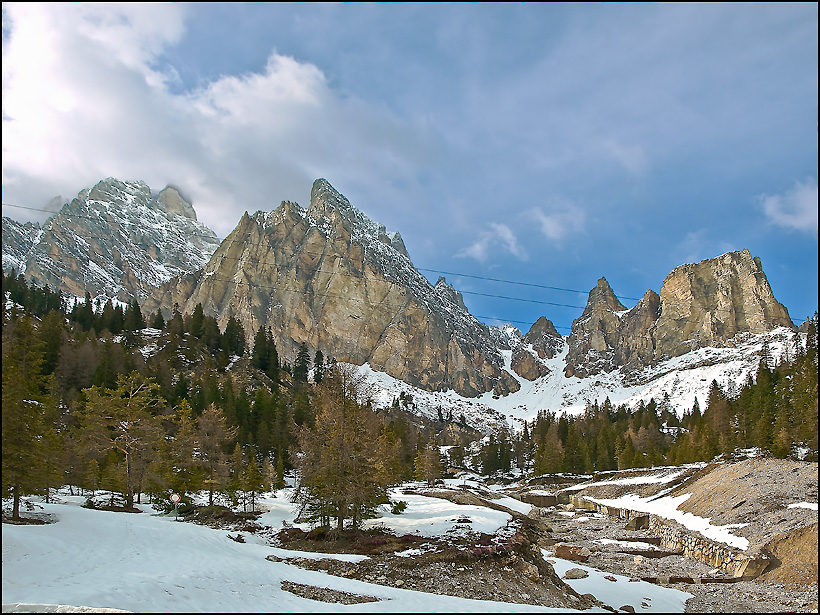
114, 239
329, 277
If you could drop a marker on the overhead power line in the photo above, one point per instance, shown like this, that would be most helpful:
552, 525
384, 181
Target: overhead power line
464, 275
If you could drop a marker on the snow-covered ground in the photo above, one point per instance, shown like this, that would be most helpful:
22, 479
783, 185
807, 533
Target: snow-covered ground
150, 562
620, 590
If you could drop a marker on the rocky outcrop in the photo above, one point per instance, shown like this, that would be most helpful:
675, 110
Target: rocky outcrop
541, 342
636, 346
708, 303
114, 239
595, 334
703, 304
331, 278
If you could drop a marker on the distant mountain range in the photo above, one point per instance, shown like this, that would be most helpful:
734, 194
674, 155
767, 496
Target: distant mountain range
329, 277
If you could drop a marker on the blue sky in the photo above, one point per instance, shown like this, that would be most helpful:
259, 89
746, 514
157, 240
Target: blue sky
550, 144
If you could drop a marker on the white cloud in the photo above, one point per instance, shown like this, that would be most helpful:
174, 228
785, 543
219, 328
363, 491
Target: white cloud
87, 96
561, 219
498, 237
796, 208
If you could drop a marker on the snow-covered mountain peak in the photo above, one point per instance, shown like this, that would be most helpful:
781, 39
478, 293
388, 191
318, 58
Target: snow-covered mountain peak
115, 239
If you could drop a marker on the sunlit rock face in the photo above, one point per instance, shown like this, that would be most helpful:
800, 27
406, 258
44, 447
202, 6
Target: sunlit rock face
541, 342
709, 303
703, 304
333, 279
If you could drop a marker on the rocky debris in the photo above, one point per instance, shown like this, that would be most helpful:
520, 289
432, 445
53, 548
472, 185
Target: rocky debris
324, 594
575, 573
756, 491
472, 566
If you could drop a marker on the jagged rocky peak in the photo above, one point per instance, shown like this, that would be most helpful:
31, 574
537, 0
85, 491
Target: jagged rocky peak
115, 239
327, 277
448, 292
603, 298
172, 202
328, 204
594, 336
702, 304
543, 337
541, 342
708, 303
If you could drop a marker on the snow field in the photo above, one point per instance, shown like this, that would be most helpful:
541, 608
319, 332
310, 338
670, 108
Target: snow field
150, 562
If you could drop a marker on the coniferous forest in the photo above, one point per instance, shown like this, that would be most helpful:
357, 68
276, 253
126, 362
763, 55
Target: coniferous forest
103, 397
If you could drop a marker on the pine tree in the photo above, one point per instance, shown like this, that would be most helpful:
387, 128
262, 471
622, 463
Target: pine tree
253, 483
123, 420
302, 365
428, 464
259, 355
339, 474
318, 366
185, 471
213, 435
196, 321
158, 322
134, 320
29, 413
234, 337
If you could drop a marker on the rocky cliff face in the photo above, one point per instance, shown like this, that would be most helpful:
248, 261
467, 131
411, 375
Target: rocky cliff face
708, 303
331, 278
595, 334
114, 239
700, 305
541, 342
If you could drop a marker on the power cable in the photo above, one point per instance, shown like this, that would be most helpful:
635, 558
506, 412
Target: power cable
488, 295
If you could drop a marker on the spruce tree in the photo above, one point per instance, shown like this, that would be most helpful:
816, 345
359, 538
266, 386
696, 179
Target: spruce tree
29, 414
302, 365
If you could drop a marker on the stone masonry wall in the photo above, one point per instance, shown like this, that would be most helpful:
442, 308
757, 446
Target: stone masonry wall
675, 537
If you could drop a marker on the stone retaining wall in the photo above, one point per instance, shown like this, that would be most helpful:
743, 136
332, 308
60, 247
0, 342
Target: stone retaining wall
733, 561
675, 537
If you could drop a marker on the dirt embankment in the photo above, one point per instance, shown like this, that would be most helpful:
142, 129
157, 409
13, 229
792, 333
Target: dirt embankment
757, 493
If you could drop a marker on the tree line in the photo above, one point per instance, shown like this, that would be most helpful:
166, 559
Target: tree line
87, 407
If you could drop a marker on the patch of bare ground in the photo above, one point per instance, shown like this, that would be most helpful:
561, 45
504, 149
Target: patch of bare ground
795, 558
24, 520
324, 594
222, 517
471, 565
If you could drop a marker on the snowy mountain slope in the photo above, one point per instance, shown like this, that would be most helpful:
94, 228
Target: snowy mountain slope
682, 378
116, 239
